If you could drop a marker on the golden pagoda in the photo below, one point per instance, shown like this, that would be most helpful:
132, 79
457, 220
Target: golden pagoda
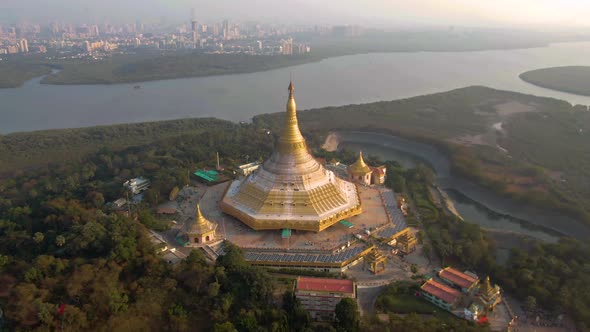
489, 296
291, 190
407, 242
201, 230
375, 260
360, 172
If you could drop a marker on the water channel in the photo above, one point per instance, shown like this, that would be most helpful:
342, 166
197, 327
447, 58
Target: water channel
336, 81
473, 202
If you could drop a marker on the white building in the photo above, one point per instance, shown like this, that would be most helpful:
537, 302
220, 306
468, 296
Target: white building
137, 185
247, 169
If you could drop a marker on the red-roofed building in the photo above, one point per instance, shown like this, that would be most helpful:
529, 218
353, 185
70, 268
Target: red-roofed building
319, 296
440, 294
464, 281
378, 175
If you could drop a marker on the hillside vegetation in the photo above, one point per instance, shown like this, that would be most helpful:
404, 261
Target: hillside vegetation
572, 79
32, 149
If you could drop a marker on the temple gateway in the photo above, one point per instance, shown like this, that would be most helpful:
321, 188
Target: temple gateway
291, 190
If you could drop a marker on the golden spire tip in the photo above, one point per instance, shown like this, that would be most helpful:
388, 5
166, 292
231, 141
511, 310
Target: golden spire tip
291, 88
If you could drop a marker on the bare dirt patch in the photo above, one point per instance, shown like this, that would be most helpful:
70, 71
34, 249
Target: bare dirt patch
513, 107
331, 143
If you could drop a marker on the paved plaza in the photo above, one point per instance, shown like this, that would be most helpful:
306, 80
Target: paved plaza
374, 216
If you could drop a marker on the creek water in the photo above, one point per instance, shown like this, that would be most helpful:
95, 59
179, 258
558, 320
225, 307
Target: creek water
473, 202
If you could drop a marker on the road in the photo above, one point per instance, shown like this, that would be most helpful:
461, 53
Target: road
367, 297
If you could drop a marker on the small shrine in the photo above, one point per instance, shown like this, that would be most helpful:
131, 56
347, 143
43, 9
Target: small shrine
407, 243
361, 173
200, 231
489, 296
375, 261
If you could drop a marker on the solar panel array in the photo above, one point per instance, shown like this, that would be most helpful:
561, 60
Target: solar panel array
398, 219
303, 258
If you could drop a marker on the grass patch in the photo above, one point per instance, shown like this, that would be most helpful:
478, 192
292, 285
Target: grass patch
400, 298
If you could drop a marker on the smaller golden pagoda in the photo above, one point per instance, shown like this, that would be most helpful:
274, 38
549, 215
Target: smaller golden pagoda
489, 296
360, 172
375, 260
201, 230
407, 242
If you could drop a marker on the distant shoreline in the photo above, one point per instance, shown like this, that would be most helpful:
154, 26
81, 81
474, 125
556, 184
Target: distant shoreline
137, 69
569, 79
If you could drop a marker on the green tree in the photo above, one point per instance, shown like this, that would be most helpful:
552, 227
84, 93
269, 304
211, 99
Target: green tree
38, 237
95, 198
530, 303
347, 316
246, 322
224, 327
60, 240
4, 260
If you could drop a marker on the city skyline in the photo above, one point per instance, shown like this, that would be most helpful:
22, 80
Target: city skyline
370, 13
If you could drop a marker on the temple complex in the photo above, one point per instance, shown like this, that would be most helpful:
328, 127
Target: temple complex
201, 230
291, 190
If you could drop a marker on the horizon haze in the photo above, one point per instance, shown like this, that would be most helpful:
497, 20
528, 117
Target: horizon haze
499, 13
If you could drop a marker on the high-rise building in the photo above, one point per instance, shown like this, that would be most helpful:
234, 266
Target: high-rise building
291, 190
87, 47
12, 49
195, 33
23, 46
94, 30
226, 29
288, 47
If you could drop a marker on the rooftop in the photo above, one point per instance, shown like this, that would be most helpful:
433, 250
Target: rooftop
443, 292
325, 285
458, 278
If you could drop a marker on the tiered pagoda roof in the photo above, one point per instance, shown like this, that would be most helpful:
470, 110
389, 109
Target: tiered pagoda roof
200, 225
291, 190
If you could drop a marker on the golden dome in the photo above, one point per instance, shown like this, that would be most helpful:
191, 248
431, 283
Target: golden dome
359, 167
201, 225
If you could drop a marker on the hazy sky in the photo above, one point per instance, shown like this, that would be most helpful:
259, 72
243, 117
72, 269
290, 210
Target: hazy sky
379, 12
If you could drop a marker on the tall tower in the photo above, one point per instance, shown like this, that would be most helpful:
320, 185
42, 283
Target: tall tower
291, 190
24, 46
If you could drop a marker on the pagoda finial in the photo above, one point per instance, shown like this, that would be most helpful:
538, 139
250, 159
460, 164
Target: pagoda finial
199, 216
291, 140
291, 89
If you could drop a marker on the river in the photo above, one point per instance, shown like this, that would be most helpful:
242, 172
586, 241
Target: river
336, 81
473, 202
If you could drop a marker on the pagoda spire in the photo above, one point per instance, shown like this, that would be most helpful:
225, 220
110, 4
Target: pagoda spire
291, 141
359, 166
200, 219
